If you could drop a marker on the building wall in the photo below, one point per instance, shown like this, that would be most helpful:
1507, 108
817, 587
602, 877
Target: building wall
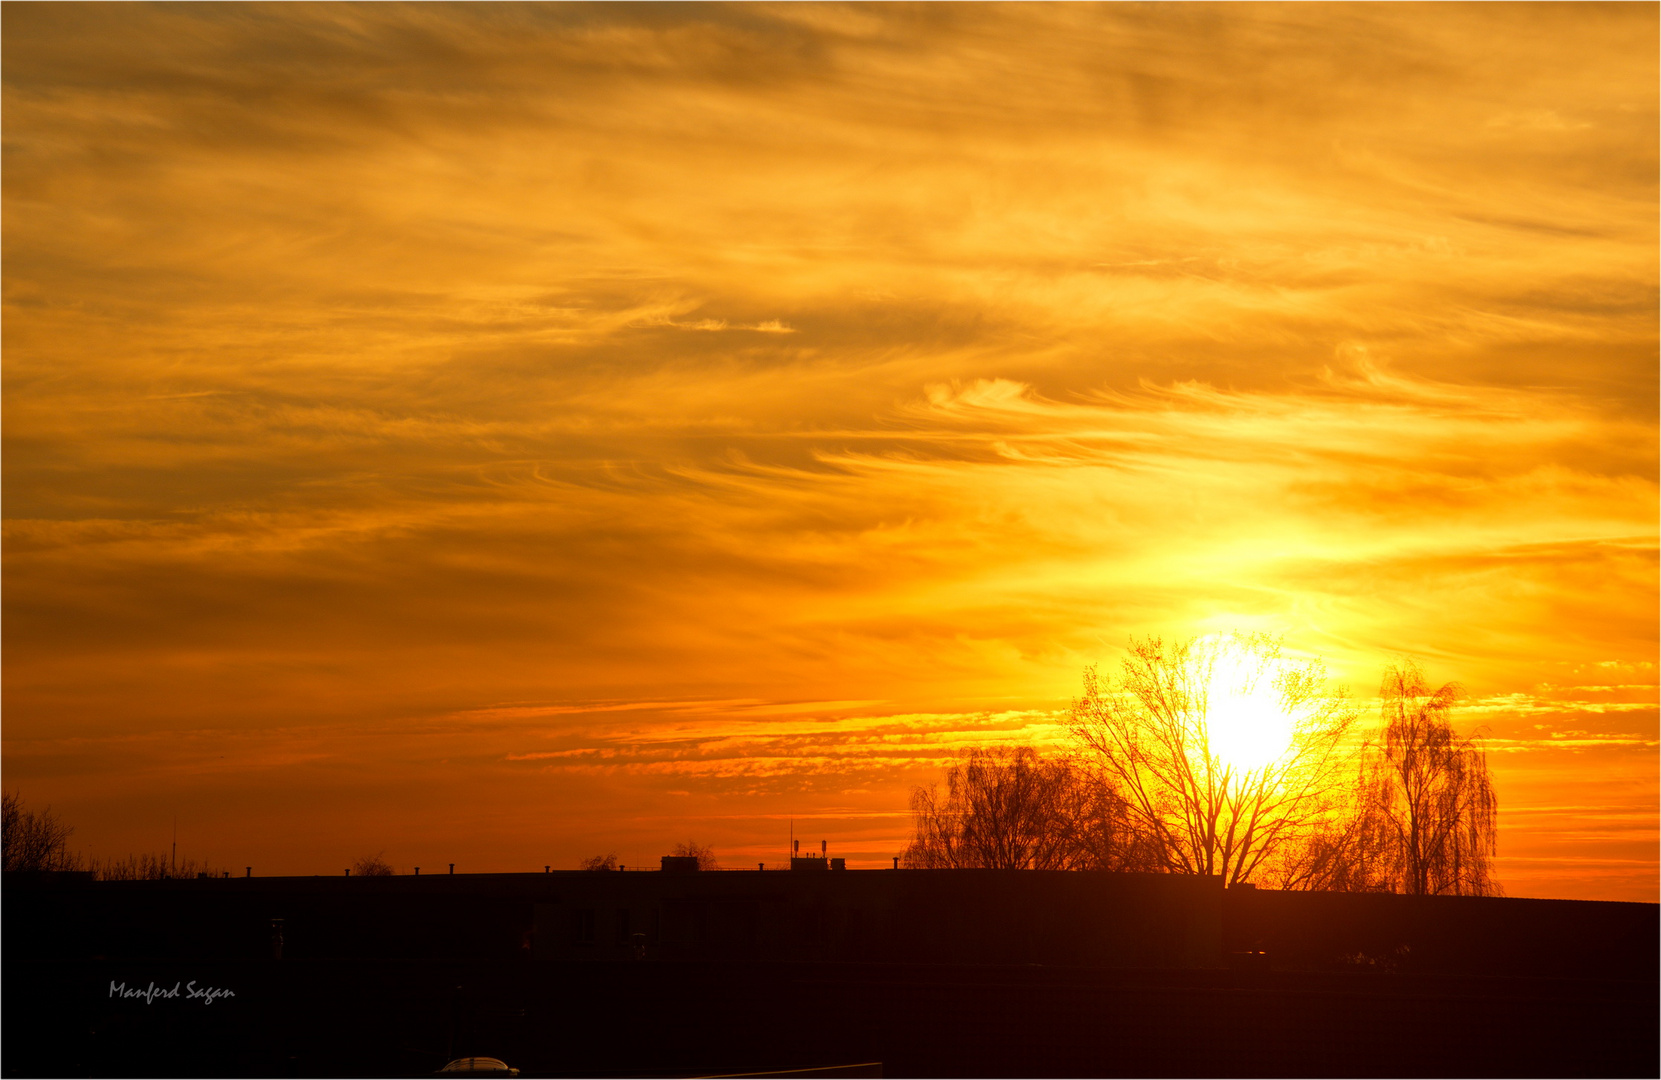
874, 916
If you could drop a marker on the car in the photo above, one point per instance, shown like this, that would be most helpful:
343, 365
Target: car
477, 1066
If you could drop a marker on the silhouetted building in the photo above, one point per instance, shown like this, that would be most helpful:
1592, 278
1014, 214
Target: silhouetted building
944, 972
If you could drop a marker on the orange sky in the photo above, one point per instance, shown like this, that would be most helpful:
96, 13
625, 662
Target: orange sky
503, 434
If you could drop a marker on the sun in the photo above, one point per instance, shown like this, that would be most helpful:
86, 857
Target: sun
1248, 723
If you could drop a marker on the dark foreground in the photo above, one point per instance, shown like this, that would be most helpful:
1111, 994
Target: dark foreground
391, 1018
930, 973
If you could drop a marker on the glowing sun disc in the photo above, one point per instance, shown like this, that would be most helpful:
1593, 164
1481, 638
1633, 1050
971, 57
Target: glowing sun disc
1248, 725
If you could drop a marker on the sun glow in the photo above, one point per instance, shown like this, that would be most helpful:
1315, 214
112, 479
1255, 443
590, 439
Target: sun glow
1249, 723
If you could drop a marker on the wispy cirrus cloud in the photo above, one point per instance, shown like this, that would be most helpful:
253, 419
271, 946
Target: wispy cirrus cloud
400, 395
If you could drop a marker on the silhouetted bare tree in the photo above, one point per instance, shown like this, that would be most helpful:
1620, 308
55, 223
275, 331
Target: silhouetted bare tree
694, 850
372, 866
33, 841
150, 868
1429, 800
1168, 736
1105, 834
1011, 808
1336, 853
599, 862
40, 842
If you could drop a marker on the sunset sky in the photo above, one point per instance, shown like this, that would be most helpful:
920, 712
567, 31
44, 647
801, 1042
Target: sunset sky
500, 435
